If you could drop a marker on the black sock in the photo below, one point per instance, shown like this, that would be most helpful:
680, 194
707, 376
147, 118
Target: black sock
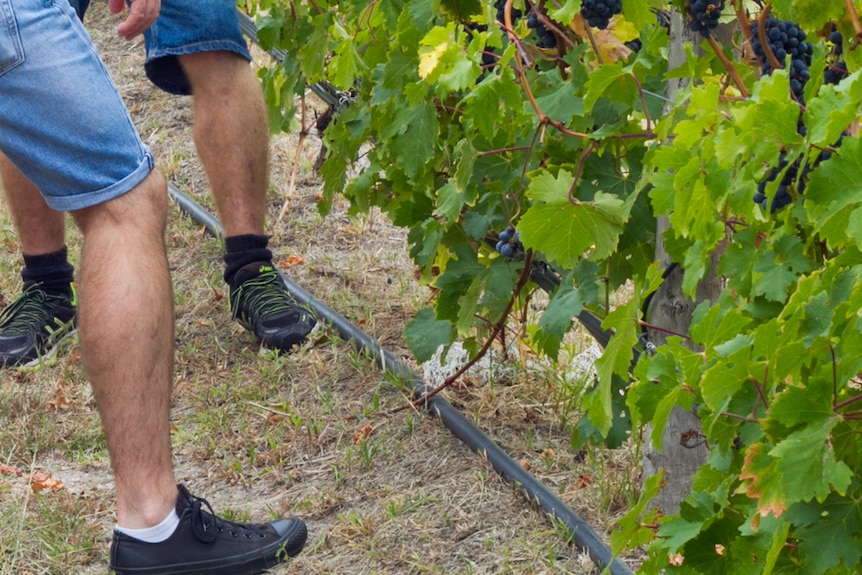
243, 250
52, 272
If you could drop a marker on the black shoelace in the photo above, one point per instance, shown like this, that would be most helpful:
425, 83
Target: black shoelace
206, 525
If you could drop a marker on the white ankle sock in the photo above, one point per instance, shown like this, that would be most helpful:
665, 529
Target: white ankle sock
155, 534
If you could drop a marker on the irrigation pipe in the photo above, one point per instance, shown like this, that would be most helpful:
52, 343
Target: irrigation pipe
510, 470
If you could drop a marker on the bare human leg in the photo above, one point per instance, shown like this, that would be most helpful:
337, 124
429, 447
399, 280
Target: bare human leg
126, 327
230, 131
40, 229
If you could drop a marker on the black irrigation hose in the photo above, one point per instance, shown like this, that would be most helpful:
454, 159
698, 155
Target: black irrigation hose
511, 471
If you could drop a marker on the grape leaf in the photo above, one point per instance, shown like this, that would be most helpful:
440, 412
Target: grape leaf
804, 404
828, 211
833, 110
712, 325
556, 320
829, 533
425, 334
417, 138
564, 231
761, 480
807, 463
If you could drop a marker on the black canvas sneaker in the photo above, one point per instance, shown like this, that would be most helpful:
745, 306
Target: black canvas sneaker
205, 544
33, 326
260, 302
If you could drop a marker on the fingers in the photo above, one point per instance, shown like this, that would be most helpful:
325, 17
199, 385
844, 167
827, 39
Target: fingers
142, 13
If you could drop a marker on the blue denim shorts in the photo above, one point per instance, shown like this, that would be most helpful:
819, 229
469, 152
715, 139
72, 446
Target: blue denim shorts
185, 27
189, 27
62, 121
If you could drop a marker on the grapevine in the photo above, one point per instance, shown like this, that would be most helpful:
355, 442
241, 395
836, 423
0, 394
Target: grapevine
480, 150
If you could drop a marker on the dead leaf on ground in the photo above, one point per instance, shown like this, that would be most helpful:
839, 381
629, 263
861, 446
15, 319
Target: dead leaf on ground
363, 434
9, 470
292, 260
41, 481
60, 399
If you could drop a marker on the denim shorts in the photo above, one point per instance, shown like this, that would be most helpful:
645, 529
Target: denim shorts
185, 27
189, 27
62, 121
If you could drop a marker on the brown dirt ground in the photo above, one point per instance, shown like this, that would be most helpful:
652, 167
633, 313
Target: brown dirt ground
303, 434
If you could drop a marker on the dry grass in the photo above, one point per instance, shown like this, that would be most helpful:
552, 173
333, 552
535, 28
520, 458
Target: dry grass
303, 434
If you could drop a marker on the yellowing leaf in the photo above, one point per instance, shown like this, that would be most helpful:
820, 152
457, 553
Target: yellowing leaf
610, 42
429, 60
623, 30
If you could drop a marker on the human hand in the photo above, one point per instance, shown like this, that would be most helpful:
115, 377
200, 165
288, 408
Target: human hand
142, 13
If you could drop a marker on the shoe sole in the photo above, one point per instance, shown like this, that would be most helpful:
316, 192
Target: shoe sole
266, 349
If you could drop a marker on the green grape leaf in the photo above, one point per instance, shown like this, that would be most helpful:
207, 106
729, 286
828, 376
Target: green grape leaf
556, 320
777, 268
425, 334
565, 231
809, 403
633, 528
615, 360
712, 325
828, 211
833, 110
640, 12
829, 532
485, 105
807, 463
609, 82
417, 138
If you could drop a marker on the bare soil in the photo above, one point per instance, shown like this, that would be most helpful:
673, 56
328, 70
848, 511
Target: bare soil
305, 434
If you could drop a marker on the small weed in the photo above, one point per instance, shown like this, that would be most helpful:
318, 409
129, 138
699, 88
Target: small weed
368, 449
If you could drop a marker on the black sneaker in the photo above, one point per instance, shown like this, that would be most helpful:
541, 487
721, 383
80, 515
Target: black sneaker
261, 303
205, 544
33, 326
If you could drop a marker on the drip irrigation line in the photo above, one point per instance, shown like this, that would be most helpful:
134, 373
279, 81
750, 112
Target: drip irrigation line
511, 471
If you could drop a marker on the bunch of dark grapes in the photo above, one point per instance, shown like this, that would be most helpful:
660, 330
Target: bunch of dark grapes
782, 195
704, 15
834, 73
509, 243
836, 70
598, 13
791, 177
785, 39
546, 38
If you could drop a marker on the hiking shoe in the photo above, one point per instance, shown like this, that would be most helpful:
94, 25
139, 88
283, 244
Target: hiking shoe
260, 302
33, 326
205, 544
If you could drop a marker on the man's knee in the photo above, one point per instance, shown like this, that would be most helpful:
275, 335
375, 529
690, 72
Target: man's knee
144, 207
